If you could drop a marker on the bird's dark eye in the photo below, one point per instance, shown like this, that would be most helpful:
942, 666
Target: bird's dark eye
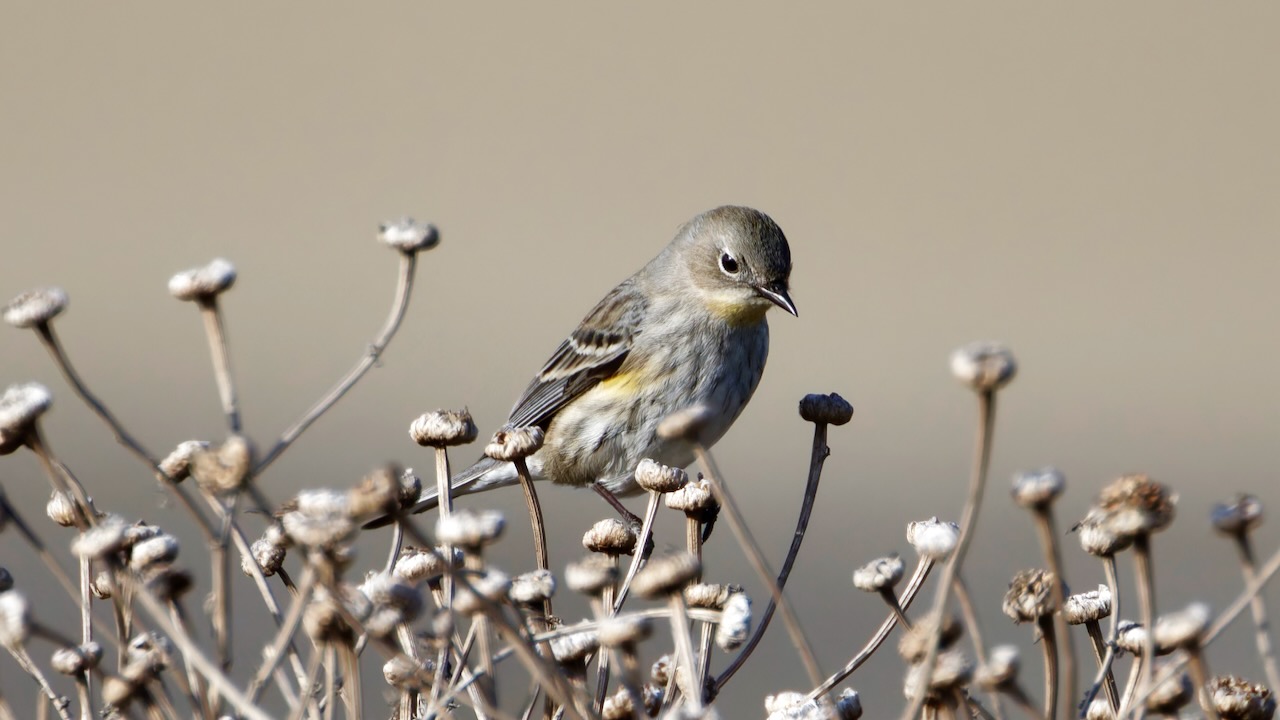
729, 264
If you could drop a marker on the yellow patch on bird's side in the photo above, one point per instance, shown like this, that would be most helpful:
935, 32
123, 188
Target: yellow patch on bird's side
621, 382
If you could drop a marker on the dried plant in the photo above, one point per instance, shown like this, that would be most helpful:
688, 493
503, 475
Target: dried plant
439, 618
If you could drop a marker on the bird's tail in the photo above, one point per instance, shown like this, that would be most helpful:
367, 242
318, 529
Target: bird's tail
486, 473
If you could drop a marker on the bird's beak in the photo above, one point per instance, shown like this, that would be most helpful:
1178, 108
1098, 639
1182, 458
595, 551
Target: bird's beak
776, 293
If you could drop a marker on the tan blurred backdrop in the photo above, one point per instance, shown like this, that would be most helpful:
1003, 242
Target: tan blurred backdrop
1094, 184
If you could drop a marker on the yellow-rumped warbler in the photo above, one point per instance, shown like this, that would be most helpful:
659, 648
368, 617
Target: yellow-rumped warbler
687, 329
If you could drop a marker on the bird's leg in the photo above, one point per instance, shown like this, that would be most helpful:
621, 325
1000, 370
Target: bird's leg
613, 500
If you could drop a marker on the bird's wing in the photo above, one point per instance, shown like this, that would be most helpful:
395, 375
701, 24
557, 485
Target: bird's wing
592, 353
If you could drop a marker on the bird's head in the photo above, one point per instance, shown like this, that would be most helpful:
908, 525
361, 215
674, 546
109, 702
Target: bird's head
739, 260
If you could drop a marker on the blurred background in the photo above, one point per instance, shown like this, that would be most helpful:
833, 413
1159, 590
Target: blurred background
1094, 185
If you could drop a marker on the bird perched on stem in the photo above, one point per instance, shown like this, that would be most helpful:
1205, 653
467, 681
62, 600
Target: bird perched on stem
688, 329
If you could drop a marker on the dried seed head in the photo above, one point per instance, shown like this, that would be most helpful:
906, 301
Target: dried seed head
623, 631
849, 706
610, 537
203, 283
268, 555
575, 646
169, 583
492, 586
711, 596
933, 539
377, 494
983, 366
102, 586
735, 622
444, 428
686, 424
1088, 606
914, 644
1136, 505
591, 574
1132, 637
795, 706
6, 580
403, 673
666, 575
35, 307
323, 621
177, 466
660, 671
118, 692
1238, 699
394, 602
1240, 515
694, 499
1030, 596
470, 528
61, 508
150, 651
20, 407
1183, 629
514, 443
952, 671
416, 565
1097, 537
1000, 670
618, 706
107, 537
1170, 695
879, 574
76, 660
15, 619
161, 548
656, 477
532, 587
317, 519
1038, 489
408, 236
225, 468
829, 409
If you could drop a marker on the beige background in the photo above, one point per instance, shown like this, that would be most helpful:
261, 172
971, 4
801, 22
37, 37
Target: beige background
1094, 184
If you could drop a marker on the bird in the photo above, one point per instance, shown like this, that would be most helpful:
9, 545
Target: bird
688, 329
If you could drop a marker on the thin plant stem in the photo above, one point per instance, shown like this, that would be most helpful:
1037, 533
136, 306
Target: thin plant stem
817, 458
1045, 528
217, 336
313, 674
975, 635
275, 650
642, 541
1049, 643
31, 668
535, 521
60, 359
195, 657
1258, 606
404, 287
891, 599
1200, 681
913, 588
1145, 581
684, 645
1103, 655
968, 520
1104, 670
